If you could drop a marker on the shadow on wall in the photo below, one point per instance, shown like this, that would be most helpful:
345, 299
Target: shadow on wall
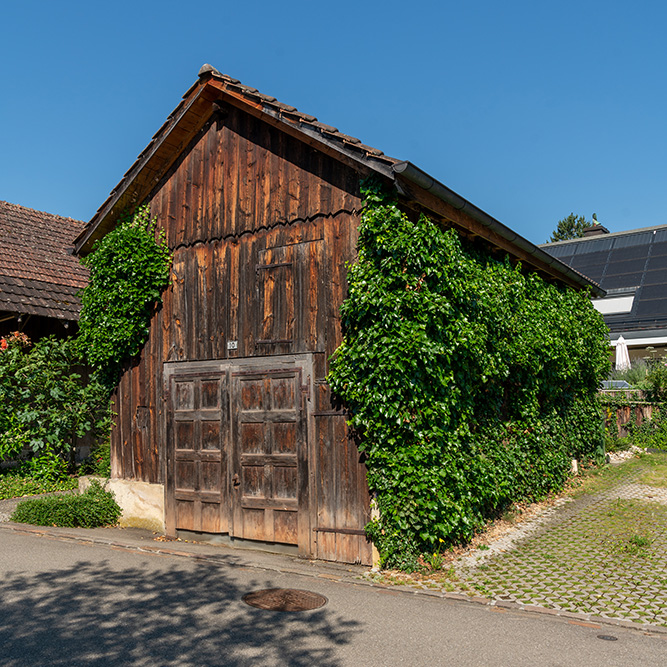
93, 613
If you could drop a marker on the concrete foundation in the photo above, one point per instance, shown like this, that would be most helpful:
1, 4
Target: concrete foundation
142, 503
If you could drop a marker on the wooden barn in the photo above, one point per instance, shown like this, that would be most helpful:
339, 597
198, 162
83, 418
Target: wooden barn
227, 412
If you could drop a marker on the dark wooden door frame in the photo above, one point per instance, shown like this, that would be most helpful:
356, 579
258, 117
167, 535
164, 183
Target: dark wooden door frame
294, 362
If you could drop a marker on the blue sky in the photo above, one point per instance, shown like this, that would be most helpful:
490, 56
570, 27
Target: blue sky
529, 110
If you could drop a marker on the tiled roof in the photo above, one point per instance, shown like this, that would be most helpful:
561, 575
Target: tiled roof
38, 275
306, 121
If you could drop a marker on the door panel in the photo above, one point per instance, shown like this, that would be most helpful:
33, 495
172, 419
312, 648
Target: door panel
268, 460
198, 451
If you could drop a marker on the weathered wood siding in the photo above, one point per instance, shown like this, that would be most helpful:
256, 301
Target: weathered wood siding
261, 227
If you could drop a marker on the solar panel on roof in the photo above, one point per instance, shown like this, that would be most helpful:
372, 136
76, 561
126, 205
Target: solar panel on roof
622, 280
656, 276
617, 265
652, 309
660, 235
653, 292
594, 273
658, 248
632, 252
586, 268
657, 262
593, 246
633, 239
561, 251
591, 258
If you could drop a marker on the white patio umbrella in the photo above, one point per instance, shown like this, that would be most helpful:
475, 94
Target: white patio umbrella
622, 354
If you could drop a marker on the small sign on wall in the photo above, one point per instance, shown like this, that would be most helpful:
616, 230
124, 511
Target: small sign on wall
232, 345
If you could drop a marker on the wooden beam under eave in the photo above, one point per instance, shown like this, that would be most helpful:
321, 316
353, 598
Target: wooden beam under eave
468, 225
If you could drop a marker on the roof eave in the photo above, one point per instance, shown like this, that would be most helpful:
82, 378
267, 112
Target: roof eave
505, 238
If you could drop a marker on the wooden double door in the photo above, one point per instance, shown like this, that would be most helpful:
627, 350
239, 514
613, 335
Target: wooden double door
237, 459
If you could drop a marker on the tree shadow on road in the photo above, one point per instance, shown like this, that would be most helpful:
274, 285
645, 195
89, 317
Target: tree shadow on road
96, 613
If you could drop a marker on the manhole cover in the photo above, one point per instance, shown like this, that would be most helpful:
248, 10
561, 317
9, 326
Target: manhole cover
284, 599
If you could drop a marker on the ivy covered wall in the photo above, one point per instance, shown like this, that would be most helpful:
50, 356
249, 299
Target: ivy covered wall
471, 384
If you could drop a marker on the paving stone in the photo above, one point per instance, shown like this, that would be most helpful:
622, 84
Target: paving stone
581, 558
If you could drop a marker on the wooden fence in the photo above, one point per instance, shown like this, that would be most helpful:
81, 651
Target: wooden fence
632, 409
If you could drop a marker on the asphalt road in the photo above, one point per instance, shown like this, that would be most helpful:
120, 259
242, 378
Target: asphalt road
69, 603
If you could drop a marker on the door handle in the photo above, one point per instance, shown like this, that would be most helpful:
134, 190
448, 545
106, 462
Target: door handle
235, 481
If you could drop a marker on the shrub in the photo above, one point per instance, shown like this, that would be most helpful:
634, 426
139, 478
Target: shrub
470, 383
655, 383
46, 400
651, 433
634, 375
99, 461
45, 466
95, 507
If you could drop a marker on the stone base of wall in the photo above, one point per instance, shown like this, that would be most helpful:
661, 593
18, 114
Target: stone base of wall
142, 503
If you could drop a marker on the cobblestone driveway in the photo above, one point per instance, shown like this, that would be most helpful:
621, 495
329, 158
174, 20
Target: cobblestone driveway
596, 555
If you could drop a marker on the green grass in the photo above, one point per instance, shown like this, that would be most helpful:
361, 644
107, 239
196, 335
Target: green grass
15, 485
650, 468
655, 477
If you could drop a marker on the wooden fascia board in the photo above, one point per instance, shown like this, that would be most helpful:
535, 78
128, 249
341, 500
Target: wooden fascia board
471, 228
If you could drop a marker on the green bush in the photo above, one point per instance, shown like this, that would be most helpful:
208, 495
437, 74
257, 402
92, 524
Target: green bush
471, 384
650, 383
99, 461
635, 375
654, 385
46, 400
651, 433
95, 507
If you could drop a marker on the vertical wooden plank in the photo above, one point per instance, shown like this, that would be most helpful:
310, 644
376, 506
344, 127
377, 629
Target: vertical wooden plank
233, 255
251, 175
275, 199
264, 217
236, 515
117, 452
176, 228
220, 287
304, 537
201, 182
186, 215
178, 317
216, 194
326, 542
202, 307
126, 426
135, 433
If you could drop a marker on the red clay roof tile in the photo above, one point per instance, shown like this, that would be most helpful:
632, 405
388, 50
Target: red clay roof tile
37, 273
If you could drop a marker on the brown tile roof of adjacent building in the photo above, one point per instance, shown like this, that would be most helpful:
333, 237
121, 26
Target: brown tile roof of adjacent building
38, 275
